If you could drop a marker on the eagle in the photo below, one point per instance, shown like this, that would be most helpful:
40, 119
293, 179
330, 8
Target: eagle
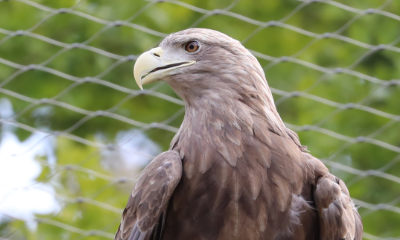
233, 170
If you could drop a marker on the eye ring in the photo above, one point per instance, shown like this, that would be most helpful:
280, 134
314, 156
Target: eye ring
192, 46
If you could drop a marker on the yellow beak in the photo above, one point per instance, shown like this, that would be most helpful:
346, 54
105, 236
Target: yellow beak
151, 67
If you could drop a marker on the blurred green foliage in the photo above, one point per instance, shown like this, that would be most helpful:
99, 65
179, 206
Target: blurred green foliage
167, 17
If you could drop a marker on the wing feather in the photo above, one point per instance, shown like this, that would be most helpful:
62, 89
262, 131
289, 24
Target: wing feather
144, 215
339, 218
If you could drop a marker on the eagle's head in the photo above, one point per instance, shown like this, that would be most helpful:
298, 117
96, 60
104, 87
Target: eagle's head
206, 67
197, 62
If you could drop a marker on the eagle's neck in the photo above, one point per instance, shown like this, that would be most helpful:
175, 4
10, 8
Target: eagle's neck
228, 105
215, 119
225, 100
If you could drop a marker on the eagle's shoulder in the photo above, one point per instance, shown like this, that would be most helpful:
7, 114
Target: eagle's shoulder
146, 208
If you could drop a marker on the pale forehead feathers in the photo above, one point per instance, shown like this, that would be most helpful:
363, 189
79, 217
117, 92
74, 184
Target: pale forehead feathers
203, 35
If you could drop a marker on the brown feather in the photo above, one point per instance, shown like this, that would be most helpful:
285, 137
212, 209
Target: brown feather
244, 174
149, 198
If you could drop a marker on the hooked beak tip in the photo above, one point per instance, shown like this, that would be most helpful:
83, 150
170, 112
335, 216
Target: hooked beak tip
145, 63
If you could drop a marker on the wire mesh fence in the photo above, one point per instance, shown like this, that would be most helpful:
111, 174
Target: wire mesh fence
69, 102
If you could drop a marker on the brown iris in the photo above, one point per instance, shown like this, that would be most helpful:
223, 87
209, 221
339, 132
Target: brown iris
192, 46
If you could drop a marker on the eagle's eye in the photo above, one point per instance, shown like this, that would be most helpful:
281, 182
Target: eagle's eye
192, 46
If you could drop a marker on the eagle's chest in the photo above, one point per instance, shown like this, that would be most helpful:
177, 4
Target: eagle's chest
217, 198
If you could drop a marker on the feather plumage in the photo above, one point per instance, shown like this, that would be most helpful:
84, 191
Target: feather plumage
244, 174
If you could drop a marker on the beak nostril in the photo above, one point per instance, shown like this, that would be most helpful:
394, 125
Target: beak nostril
155, 54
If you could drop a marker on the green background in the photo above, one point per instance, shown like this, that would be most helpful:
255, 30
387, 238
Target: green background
360, 142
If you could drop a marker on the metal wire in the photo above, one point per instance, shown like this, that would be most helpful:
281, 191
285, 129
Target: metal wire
285, 96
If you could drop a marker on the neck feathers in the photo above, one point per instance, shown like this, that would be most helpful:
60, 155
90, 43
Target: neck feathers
226, 108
